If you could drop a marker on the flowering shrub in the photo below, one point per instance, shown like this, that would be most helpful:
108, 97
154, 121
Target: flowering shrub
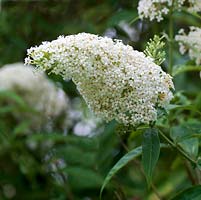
141, 117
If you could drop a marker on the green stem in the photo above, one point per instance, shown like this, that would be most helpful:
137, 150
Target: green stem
177, 147
171, 34
134, 20
190, 172
198, 175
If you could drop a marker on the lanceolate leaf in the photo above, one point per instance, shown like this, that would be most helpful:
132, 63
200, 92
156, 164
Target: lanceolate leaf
183, 107
193, 193
150, 152
121, 163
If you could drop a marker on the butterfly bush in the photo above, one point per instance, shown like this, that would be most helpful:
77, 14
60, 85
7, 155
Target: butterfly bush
116, 81
156, 9
190, 43
36, 90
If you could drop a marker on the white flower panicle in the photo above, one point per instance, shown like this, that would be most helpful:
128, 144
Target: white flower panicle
152, 10
190, 43
36, 90
157, 9
116, 81
194, 5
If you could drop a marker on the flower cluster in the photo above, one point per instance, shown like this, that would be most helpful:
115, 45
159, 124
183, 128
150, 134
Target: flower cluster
37, 92
156, 9
190, 43
194, 5
116, 81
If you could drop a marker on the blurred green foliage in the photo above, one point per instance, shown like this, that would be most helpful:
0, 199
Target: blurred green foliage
42, 166
27, 23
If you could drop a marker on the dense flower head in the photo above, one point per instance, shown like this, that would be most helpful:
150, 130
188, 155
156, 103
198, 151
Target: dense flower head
157, 9
190, 43
116, 81
36, 90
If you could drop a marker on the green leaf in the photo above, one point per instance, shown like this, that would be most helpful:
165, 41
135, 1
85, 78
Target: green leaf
192, 193
6, 109
89, 144
126, 15
73, 155
11, 95
83, 178
21, 127
183, 135
106, 144
183, 107
155, 49
121, 163
184, 68
150, 152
